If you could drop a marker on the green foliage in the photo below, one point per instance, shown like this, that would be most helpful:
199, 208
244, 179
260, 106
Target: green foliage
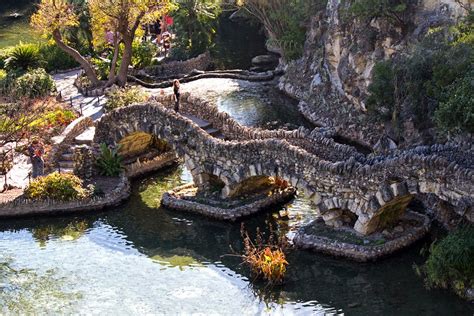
4, 54
35, 83
109, 162
23, 57
59, 117
381, 91
57, 186
195, 24
294, 17
55, 58
450, 262
394, 11
102, 67
143, 53
29, 56
120, 97
432, 85
456, 113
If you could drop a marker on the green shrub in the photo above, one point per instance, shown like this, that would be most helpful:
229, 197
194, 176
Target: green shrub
57, 186
35, 83
381, 98
55, 58
23, 57
102, 68
4, 54
393, 11
120, 97
143, 53
456, 113
450, 263
195, 22
109, 162
431, 85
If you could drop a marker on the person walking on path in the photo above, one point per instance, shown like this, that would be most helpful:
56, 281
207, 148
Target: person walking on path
177, 94
36, 152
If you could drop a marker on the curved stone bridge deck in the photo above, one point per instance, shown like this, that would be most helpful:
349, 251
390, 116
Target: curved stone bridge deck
347, 187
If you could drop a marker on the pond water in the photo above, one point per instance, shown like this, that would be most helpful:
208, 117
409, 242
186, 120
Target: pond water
140, 258
16, 30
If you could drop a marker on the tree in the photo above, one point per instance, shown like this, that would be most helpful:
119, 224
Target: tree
394, 11
195, 22
52, 19
121, 17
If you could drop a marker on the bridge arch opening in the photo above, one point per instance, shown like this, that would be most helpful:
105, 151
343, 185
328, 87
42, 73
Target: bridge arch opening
141, 145
257, 185
340, 217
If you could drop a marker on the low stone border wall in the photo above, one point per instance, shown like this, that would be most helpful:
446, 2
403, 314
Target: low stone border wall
363, 253
172, 200
24, 207
183, 67
196, 75
139, 168
61, 142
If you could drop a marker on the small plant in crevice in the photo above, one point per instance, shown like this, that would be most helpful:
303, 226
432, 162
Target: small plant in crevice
266, 259
109, 162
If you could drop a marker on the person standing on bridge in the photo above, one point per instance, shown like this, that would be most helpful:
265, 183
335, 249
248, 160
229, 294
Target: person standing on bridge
177, 94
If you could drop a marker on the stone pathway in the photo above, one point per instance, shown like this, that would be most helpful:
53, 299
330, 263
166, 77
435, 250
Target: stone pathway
91, 106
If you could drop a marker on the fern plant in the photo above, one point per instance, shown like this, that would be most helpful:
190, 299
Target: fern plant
109, 162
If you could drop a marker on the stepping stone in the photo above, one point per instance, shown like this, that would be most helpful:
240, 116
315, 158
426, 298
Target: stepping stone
86, 137
200, 122
66, 164
213, 131
67, 156
67, 170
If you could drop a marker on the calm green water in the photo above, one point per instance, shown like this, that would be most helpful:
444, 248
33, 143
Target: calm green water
16, 30
138, 259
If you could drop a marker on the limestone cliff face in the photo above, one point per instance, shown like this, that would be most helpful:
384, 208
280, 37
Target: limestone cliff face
333, 76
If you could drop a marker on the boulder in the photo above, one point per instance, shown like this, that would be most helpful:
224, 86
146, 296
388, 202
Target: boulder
265, 60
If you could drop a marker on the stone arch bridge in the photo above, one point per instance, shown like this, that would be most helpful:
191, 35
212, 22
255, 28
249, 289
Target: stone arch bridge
367, 192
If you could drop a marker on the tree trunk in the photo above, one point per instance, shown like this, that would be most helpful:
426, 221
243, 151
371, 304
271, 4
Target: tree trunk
113, 66
77, 57
126, 60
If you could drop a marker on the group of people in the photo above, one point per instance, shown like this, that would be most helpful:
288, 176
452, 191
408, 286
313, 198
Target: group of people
158, 34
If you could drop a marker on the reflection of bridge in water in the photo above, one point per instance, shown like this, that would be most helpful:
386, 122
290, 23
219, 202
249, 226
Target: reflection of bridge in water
347, 187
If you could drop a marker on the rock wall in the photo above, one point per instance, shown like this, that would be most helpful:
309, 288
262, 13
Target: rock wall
333, 76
